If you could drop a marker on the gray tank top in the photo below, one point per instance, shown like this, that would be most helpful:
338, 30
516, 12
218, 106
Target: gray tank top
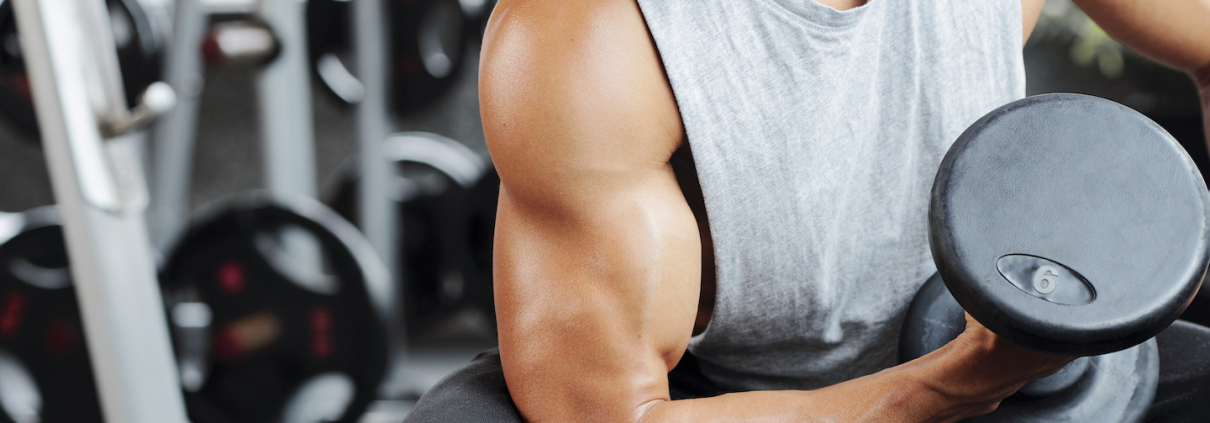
816, 135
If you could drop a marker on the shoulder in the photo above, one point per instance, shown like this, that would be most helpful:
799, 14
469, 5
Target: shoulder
570, 85
566, 47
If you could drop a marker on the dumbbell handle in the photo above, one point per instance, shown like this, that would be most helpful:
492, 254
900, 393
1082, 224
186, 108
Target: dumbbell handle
935, 318
946, 320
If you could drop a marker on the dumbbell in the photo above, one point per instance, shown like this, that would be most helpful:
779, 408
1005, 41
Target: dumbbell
256, 337
139, 43
1069, 225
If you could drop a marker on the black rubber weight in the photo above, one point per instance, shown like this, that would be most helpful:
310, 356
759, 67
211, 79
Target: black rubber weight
1096, 190
221, 261
41, 332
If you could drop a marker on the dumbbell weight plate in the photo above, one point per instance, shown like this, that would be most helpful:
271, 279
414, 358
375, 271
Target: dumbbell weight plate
139, 46
45, 374
1070, 224
271, 315
1114, 387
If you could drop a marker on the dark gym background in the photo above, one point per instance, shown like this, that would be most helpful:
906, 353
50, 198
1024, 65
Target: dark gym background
227, 158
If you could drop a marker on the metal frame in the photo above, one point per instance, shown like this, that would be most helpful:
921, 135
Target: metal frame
99, 188
284, 102
176, 131
284, 93
377, 212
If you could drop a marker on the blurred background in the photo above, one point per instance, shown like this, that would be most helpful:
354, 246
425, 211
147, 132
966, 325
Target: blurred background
446, 220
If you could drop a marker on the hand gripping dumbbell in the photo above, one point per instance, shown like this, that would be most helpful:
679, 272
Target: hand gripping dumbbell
1073, 226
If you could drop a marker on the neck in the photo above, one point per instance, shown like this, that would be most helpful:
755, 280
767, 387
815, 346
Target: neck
842, 5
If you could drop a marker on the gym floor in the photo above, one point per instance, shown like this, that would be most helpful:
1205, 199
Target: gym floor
227, 156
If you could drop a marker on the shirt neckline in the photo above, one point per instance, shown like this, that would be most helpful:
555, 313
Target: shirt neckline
814, 12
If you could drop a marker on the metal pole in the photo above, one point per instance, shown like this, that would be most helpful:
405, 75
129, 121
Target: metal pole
175, 131
377, 214
98, 191
284, 88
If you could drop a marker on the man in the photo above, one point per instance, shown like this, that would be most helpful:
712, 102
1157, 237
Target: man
816, 128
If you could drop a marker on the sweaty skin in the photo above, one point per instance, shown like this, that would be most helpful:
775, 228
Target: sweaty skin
599, 257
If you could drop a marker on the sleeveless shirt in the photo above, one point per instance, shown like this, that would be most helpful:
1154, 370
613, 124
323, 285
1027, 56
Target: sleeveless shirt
817, 135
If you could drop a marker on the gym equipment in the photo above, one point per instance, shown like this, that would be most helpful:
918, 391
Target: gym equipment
1069, 225
256, 378
327, 40
261, 333
119, 299
45, 375
97, 177
427, 43
1125, 213
1115, 387
247, 42
257, 338
446, 197
136, 37
174, 133
270, 36
1180, 395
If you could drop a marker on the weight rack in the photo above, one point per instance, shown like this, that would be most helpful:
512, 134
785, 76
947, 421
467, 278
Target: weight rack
99, 187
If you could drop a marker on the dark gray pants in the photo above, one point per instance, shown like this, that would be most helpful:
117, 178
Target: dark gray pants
477, 392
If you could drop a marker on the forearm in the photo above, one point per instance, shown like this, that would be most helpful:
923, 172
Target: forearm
965, 378
893, 395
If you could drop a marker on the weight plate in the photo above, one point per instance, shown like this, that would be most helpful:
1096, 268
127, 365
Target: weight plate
139, 46
45, 374
428, 46
1118, 388
445, 196
1070, 224
933, 319
252, 343
276, 313
427, 43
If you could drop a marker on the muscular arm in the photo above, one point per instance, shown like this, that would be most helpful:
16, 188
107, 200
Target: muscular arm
597, 263
1173, 32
